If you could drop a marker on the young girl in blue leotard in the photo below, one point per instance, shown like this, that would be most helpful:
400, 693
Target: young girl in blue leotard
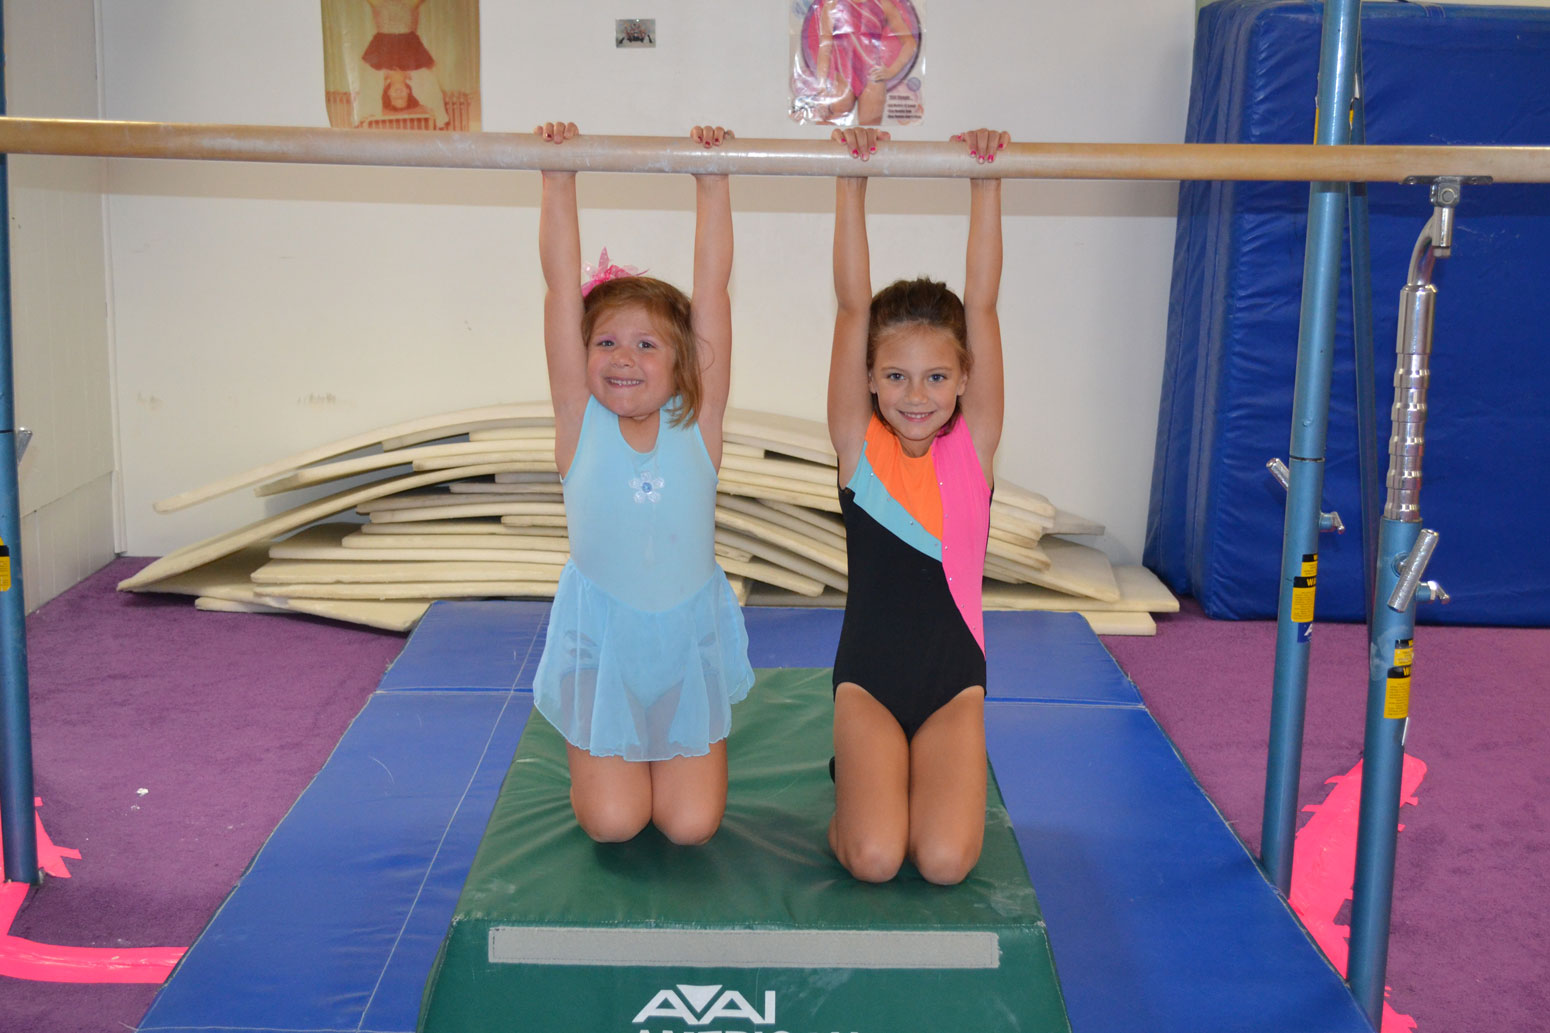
645, 651
915, 406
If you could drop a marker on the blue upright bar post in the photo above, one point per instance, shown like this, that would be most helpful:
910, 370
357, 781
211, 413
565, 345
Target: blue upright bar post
1310, 421
21, 839
1403, 552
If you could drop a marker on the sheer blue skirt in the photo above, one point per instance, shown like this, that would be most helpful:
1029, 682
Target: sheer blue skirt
622, 682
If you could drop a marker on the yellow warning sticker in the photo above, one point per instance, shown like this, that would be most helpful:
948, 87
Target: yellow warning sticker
1396, 697
1302, 600
1303, 586
1404, 652
5, 567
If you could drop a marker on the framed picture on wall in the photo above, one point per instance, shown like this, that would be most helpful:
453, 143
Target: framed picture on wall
401, 64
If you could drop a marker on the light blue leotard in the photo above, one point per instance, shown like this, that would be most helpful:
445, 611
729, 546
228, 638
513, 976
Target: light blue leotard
645, 651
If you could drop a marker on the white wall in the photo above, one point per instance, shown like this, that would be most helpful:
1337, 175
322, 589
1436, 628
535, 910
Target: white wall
259, 310
59, 317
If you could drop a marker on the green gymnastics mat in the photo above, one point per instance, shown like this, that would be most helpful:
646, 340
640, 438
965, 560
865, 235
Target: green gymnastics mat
759, 931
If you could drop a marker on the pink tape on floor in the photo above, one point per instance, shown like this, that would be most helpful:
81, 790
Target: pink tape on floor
1324, 867
43, 962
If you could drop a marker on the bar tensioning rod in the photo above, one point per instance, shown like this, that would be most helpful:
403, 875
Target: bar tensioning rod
1144, 161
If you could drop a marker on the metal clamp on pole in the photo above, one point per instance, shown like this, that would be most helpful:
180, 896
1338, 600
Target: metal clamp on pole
1328, 522
1410, 569
1453, 181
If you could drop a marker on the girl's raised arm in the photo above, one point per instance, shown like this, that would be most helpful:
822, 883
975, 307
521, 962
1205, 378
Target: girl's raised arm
559, 253
850, 397
984, 400
710, 307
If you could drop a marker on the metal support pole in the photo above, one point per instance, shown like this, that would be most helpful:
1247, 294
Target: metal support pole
1310, 421
16, 814
1382, 764
1403, 551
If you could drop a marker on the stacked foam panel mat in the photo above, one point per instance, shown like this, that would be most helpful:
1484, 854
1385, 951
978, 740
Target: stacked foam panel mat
1434, 74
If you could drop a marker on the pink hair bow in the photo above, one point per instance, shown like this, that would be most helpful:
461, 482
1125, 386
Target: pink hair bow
592, 275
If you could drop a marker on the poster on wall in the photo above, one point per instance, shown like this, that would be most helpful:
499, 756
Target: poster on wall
857, 62
401, 64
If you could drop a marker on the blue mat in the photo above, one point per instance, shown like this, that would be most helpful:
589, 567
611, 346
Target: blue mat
334, 924
1049, 656
484, 645
1159, 919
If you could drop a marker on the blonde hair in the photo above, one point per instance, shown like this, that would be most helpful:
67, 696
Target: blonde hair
668, 308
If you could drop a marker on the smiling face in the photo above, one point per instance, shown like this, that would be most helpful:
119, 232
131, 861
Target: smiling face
630, 363
396, 94
917, 377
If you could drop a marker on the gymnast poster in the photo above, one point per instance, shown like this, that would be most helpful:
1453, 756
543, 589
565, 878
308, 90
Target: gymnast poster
401, 64
856, 62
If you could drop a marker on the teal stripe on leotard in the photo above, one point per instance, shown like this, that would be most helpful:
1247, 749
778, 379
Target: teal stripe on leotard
872, 496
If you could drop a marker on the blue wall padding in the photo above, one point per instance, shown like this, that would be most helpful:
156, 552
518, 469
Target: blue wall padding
1435, 74
1159, 918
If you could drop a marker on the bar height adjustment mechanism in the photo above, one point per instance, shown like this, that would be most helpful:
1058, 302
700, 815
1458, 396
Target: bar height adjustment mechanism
1410, 568
1328, 522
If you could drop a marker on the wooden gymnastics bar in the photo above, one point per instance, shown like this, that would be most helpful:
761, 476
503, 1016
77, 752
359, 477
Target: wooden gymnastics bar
809, 157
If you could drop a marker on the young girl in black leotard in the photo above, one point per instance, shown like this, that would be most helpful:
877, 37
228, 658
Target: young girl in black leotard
915, 405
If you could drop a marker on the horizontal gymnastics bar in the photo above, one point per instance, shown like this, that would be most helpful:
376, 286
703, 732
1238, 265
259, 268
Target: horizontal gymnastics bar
809, 157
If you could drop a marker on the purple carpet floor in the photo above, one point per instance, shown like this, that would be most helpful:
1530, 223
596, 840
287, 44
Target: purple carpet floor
168, 743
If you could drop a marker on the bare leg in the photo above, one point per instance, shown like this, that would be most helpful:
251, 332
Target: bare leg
947, 789
869, 110
870, 829
610, 795
689, 795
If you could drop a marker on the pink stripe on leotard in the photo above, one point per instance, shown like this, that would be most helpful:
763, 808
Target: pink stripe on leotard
965, 522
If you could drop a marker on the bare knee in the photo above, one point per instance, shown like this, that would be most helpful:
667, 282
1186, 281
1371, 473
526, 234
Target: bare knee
944, 861
688, 826
689, 795
871, 859
609, 820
